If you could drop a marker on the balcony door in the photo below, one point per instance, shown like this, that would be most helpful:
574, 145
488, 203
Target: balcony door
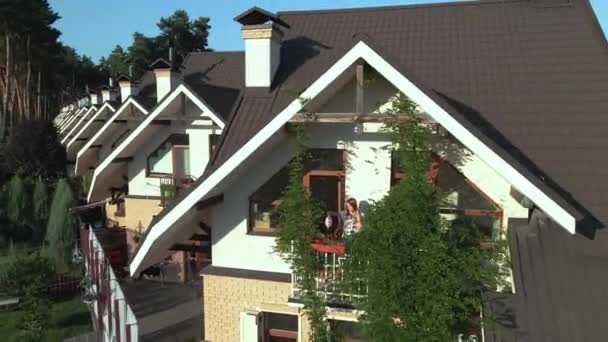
324, 178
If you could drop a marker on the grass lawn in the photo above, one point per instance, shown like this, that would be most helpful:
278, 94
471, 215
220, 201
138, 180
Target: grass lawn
68, 317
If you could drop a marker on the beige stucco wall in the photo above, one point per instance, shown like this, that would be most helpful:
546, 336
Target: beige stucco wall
138, 213
224, 298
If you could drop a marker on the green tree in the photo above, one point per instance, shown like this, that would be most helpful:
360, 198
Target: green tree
42, 155
298, 214
17, 201
143, 51
183, 34
41, 208
24, 270
61, 229
116, 63
36, 316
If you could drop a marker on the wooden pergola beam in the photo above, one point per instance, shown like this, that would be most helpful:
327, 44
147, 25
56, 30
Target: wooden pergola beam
122, 159
346, 117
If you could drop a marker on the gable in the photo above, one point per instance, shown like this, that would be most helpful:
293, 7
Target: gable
181, 102
129, 108
429, 105
105, 108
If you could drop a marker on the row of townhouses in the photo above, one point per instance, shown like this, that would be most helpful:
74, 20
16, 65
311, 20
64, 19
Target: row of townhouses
185, 165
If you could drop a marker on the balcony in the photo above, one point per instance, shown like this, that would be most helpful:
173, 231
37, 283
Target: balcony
331, 256
170, 187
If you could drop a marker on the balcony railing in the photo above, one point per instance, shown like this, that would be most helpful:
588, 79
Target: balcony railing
171, 186
330, 277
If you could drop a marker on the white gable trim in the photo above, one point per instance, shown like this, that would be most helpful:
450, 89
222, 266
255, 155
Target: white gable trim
97, 113
91, 110
71, 119
181, 89
106, 126
202, 106
360, 50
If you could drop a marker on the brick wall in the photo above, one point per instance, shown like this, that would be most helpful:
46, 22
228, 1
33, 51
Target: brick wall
224, 298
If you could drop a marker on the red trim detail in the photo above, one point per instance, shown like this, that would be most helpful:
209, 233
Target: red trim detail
323, 248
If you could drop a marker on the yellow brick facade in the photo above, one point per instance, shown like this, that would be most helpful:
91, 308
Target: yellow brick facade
224, 298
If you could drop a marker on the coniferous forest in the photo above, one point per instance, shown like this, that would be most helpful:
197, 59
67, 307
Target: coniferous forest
39, 75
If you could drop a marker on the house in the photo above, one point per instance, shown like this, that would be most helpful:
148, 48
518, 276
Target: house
125, 309
137, 99
155, 143
168, 148
69, 131
517, 93
93, 123
65, 124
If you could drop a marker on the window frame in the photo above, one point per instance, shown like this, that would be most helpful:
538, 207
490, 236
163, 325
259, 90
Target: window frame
306, 178
177, 144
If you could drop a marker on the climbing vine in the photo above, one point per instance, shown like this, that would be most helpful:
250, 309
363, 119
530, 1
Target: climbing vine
424, 276
298, 230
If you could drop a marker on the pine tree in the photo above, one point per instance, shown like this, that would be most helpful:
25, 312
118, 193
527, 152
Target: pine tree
41, 204
17, 201
62, 226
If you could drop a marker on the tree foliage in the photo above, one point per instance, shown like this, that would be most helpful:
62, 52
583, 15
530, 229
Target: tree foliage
61, 229
26, 276
22, 271
38, 74
41, 207
177, 30
33, 150
17, 203
297, 219
424, 277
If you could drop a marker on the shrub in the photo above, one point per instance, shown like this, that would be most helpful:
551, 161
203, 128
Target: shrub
22, 271
61, 229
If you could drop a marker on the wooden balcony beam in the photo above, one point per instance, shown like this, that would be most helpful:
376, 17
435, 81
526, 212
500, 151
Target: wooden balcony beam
345, 118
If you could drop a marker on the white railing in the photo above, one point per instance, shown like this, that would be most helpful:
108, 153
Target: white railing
95, 260
330, 277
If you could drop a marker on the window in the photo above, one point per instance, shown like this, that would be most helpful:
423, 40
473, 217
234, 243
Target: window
264, 202
323, 177
397, 175
279, 327
464, 203
171, 158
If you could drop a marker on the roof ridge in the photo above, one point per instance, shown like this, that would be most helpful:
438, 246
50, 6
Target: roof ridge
393, 7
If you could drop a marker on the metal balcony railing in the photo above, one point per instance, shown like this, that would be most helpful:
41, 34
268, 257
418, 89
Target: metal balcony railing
329, 280
171, 186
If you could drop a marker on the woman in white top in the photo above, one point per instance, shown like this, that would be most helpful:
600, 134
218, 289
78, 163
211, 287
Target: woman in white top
353, 217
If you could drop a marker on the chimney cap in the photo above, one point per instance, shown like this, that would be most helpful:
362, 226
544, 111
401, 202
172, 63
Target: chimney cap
124, 78
258, 16
161, 63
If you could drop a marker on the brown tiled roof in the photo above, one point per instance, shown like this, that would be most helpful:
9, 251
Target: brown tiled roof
560, 286
217, 77
532, 78
527, 78
147, 90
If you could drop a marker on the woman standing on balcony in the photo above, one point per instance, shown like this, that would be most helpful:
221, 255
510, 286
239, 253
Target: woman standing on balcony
352, 223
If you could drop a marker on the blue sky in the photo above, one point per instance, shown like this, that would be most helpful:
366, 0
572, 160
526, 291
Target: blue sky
94, 27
